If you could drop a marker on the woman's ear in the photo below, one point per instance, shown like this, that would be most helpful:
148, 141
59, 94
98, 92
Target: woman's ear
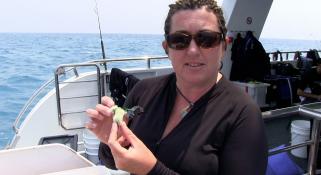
165, 47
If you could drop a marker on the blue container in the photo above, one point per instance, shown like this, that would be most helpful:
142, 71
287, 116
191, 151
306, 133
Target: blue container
282, 164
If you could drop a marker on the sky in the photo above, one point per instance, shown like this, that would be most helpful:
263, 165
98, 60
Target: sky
296, 19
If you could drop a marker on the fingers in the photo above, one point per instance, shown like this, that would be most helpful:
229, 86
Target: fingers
91, 125
113, 132
101, 110
128, 134
107, 101
94, 114
113, 143
104, 110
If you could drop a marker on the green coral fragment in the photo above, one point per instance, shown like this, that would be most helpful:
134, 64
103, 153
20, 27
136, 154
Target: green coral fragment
118, 114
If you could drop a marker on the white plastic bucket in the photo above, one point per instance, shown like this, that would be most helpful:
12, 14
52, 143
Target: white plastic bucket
90, 138
87, 134
93, 157
300, 132
91, 150
91, 144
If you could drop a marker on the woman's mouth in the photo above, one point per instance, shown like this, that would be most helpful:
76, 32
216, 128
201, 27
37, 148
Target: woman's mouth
194, 64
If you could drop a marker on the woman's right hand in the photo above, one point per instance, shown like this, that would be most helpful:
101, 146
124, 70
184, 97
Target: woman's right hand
101, 119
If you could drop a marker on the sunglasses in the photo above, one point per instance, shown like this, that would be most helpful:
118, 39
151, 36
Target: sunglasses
204, 39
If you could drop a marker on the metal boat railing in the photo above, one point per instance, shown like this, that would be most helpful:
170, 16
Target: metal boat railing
100, 84
286, 56
145, 58
59, 71
100, 62
312, 111
30, 102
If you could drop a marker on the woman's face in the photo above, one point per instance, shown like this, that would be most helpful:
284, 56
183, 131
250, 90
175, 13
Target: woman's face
195, 65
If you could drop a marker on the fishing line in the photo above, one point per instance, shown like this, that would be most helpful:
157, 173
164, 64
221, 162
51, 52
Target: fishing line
101, 38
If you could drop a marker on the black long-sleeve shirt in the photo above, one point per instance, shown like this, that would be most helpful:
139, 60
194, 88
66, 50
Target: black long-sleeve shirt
222, 134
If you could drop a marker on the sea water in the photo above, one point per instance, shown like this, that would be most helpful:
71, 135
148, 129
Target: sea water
28, 60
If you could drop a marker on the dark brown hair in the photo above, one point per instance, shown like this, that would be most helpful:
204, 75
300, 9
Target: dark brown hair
211, 5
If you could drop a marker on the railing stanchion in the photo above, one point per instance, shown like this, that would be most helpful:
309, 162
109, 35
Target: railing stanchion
315, 136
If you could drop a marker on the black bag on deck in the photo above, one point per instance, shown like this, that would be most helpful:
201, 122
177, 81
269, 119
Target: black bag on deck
120, 84
285, 69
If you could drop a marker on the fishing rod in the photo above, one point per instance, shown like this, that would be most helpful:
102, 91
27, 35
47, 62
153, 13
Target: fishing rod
101, 37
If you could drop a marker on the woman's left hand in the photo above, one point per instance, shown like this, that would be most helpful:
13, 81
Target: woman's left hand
136, 159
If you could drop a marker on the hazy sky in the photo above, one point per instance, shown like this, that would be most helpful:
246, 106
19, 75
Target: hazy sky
287, 19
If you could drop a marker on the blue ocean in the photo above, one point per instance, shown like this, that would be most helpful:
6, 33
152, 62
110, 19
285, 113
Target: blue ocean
28, 60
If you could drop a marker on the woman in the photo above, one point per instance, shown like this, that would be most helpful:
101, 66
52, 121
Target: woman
195, 121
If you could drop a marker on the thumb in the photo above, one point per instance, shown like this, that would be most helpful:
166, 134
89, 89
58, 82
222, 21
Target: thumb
128, 134
113, 144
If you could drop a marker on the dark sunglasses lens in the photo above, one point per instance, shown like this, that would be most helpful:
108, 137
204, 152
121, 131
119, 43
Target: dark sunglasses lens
178, 41
208, 39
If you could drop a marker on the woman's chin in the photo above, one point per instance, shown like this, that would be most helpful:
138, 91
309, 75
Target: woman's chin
196, 80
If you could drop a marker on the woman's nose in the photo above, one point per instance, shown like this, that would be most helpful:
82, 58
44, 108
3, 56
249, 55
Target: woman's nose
193, 47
